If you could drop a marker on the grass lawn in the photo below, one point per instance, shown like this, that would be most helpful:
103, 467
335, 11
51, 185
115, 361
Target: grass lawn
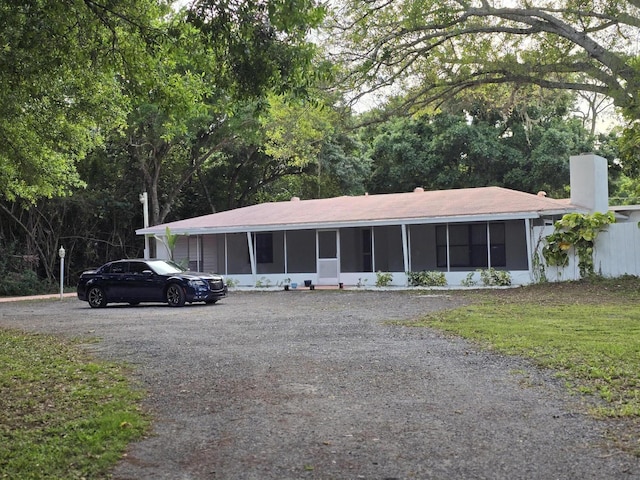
588, 332
62, 414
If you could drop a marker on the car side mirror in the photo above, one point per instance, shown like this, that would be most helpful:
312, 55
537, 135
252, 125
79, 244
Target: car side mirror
147, 272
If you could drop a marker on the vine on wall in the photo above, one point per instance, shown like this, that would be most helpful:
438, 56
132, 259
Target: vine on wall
578, 231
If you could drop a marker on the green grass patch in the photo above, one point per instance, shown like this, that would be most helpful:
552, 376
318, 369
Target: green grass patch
597, 348
62, 414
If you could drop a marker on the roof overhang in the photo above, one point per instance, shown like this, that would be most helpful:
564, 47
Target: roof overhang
160, 230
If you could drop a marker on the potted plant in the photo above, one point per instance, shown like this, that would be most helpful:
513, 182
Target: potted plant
287, 282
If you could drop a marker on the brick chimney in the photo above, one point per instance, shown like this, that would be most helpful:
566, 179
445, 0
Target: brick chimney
589, 182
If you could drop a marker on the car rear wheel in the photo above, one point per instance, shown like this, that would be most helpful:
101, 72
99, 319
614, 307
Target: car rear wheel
96, 297
175, 296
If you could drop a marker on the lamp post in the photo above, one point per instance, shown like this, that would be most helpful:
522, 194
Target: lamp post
144, 200
61, 252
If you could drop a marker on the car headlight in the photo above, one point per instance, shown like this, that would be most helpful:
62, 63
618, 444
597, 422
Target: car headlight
197, 283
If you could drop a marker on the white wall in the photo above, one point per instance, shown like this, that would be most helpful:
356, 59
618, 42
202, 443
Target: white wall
616, 253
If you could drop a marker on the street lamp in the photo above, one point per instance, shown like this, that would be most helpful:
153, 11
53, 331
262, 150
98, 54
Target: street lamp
61, 252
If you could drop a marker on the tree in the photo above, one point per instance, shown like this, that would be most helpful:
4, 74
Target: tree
62, 64
526, 148
436, 49
223, 56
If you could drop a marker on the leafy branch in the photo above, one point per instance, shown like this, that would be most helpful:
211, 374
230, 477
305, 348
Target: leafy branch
578, 231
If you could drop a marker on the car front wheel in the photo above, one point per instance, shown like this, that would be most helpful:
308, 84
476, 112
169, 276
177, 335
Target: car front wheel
96, 297
175, 296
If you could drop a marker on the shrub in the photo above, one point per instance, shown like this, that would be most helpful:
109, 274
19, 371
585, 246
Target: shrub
469, 281
23, 283
492, 277
427, 279
383, 279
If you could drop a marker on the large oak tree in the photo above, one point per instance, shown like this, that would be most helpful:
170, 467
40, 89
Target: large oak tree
435, 49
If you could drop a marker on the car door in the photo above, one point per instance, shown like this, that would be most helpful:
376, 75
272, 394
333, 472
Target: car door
142, 284
112, 281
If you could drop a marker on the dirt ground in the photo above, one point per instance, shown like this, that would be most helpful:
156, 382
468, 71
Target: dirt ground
316, 384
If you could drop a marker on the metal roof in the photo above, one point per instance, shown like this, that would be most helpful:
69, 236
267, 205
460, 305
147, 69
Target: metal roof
419, 206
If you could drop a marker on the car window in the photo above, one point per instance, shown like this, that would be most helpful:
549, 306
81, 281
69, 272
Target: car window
165, 268
118, 267
138, 267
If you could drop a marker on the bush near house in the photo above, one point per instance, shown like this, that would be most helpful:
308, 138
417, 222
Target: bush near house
383, 279
427, 279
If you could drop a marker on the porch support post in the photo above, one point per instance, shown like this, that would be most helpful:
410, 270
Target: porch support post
528, 234
199, 253
252, 258
373, 250
226, 255
405, 248
448, 251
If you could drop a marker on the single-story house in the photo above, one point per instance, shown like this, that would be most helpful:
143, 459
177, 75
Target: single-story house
348, 239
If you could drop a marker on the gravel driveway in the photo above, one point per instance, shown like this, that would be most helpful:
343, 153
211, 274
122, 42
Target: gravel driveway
315, 384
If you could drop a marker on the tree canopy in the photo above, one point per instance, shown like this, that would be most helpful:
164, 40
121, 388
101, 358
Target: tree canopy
62, 64
526, 149
435, 49
72, 72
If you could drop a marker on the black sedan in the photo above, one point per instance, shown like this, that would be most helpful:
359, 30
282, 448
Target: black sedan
136, 281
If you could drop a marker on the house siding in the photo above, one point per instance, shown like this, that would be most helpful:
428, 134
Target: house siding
210, 254
615, 253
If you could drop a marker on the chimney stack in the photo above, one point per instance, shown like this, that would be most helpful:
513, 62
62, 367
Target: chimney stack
589, 182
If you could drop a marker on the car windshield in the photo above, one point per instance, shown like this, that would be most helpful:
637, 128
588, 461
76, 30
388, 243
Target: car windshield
166, 267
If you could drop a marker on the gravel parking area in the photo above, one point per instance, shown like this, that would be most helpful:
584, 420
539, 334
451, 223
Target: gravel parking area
316, 384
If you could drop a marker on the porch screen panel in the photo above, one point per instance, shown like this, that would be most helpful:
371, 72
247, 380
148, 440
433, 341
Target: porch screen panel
459, 251
498, 250
238, 261
441, 247
269, 248
423, 247
516, 245
388, 249
478, 248
467, 246
355, 250
301, 251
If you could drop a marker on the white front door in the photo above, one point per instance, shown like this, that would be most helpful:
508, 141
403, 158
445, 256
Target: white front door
328, 257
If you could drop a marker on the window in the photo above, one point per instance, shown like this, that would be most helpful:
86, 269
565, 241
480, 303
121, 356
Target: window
263, 244
468, 245
138, 267
117, 267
